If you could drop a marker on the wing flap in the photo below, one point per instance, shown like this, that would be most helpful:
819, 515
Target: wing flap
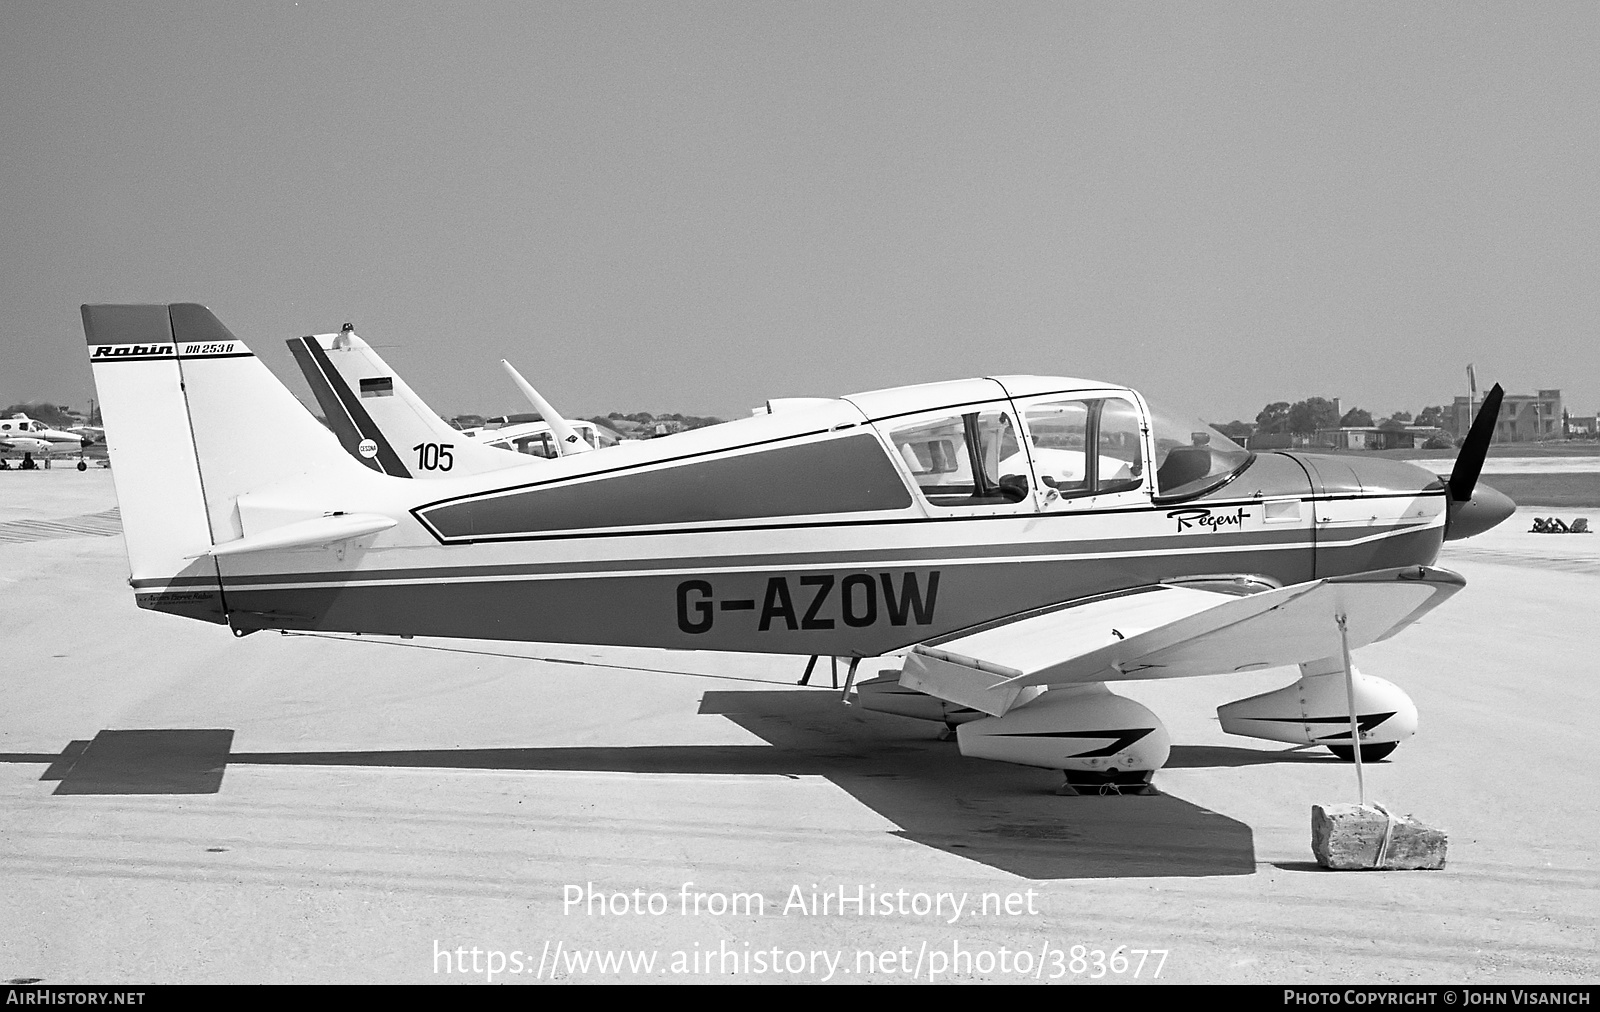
1185, 632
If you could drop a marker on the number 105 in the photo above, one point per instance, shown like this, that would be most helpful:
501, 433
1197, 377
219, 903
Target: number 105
434, 456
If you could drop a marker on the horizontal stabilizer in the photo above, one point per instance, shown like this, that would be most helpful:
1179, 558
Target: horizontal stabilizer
313, 533
1174, 632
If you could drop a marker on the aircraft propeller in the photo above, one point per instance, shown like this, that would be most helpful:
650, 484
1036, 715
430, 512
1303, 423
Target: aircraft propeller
1475, 508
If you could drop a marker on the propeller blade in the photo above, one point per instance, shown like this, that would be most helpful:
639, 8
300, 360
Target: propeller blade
1474, 448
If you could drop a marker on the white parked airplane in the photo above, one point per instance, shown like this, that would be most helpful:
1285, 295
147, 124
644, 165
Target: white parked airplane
1027, 539
561, 437
530, 434
29, 438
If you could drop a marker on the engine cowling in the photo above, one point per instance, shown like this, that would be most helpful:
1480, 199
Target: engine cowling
1315, 710
1082, 729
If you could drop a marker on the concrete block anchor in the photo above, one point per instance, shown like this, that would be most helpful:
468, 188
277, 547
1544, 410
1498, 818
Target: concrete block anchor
1371, 838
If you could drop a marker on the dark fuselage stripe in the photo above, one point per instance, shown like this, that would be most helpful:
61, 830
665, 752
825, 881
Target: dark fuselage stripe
418, 510
903, 558
821, 524
849, 474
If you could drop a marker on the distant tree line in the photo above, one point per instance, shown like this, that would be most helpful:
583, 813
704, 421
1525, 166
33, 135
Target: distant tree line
57, 416
642, 422
1304, 418
688, 421
648, 422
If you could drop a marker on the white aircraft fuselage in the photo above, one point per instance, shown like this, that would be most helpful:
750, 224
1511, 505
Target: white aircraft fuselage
798, 532
21, 435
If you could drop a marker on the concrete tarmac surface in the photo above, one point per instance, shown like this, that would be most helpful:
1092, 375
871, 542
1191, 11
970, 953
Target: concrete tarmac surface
183, 806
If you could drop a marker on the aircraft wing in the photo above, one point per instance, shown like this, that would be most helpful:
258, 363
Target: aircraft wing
1173, 630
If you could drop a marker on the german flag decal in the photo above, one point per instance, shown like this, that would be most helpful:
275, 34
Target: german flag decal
383, 386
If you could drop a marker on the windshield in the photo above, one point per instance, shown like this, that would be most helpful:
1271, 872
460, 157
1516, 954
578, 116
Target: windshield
1191, 456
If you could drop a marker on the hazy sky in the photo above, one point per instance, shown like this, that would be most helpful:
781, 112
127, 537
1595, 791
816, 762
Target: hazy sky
695, 207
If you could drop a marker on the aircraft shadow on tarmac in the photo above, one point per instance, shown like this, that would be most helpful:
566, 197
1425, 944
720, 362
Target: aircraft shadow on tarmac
1212, 756
1006, 817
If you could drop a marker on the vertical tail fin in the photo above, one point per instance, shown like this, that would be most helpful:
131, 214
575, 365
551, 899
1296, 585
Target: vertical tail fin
380, 420
192, 421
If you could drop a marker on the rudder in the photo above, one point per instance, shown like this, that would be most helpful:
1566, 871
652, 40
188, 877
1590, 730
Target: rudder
193, 420
155, 469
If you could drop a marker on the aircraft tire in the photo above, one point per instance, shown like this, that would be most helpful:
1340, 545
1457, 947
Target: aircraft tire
1369, 753
82, 466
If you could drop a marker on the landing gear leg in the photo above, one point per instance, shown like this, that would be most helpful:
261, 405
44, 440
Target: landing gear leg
849, 679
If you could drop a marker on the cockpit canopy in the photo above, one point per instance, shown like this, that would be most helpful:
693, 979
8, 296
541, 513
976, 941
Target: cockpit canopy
1191, 456
1072, 444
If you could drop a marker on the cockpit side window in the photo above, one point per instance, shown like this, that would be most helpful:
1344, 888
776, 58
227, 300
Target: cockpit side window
1120, 446
538, 444
969, 459
1062, 432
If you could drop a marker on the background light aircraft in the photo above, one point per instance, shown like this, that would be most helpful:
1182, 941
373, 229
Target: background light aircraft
386, 425
22, 436
562, 438
530, 434
1027, 540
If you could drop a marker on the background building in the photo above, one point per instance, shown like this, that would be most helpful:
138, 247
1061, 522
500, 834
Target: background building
1379, 437
1523, 417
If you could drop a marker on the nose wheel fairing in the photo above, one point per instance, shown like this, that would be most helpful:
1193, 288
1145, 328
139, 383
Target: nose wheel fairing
1314, 710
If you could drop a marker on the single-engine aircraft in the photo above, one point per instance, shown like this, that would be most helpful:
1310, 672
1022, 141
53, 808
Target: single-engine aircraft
29, 437
1025, 540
